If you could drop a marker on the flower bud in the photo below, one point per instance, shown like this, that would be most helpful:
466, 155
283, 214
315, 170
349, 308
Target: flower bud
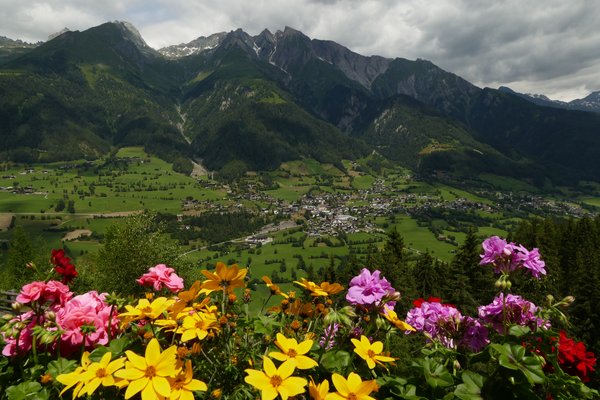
50, 316
457, 365
16, 306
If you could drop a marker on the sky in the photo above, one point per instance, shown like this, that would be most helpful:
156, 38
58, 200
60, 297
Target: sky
549, 47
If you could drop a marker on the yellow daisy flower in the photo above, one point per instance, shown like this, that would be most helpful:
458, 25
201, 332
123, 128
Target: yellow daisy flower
276, 381
291, 350
324, 289
197, 325
145, 309
77, 378
370, 352
391, 316
224, 278
351, 389
149, 374
320, 391
101, 373
184, 384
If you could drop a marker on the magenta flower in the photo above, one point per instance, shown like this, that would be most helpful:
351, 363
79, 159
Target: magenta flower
506, 257
444, 323
515, 311
160, 276
369, 289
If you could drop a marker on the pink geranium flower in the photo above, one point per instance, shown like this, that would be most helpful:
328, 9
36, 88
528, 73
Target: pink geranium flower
160, 276
53, 292
369, 289
89, 310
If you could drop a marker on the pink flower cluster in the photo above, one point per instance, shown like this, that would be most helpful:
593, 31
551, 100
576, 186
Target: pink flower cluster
507, 257
443, 322
514, 310
160, 276
370, 289
52, 305
51, 293
90, 310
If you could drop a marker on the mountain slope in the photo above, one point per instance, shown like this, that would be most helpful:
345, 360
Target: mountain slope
273, 97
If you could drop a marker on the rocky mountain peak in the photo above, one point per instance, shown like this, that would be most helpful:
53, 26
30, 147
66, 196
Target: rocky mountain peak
57, 34
196, 46
131, 33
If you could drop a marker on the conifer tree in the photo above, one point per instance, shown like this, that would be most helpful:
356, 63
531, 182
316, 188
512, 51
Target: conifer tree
20, 253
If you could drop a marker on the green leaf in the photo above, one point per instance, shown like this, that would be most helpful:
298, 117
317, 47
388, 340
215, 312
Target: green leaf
61, 366
118, 346
470, 389
335, 360
265, 325
518, 330
514, 357
435, 373
27, 391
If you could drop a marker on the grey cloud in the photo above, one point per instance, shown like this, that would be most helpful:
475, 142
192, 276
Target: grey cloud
550, 47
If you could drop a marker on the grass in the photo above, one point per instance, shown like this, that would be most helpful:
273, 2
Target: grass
363, 182
508, 183
420, 239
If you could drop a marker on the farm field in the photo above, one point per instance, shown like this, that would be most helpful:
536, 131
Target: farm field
329, 214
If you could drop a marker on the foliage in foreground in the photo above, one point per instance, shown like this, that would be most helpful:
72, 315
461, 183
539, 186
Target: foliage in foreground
323, 342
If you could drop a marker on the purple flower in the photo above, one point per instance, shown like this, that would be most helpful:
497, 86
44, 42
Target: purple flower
447, 325
494, 248
369, 289
506, 257
514, 311
532, 262
327, 340
475, 335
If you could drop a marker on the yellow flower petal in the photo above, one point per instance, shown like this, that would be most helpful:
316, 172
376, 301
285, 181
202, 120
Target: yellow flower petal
135, 360
135, 386
161, 386
131, 374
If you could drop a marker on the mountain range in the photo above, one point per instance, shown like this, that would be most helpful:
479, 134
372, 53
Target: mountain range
232, 99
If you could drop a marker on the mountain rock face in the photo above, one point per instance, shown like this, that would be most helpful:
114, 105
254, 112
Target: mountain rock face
265, 99
589, 103
194, 47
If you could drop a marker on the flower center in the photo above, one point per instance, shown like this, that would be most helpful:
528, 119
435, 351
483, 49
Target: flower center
150, 371
100, 373
276, 381
146, 310
371, 354
292, 353
352, 396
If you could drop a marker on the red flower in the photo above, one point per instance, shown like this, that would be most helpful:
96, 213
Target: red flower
574, 358
417, 303
63, 266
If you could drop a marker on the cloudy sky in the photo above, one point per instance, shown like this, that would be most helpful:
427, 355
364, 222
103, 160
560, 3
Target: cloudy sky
550, 47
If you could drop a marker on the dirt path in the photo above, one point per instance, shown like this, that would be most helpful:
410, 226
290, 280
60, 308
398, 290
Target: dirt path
76, 234
198, 170
5, 220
